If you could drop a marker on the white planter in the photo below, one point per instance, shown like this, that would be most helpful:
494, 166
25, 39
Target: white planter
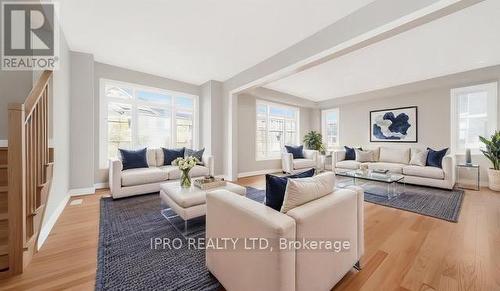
494, 179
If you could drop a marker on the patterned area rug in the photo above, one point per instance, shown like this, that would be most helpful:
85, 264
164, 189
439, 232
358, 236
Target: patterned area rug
434, 202
126, 259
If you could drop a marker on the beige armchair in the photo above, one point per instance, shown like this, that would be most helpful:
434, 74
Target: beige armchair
291, 165
334, 217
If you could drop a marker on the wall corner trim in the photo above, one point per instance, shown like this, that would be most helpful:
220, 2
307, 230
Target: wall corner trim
45, 231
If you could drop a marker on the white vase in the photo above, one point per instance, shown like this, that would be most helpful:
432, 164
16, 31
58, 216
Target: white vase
494, 179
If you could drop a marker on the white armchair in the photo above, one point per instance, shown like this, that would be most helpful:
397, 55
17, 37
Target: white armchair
291, 165
334, 217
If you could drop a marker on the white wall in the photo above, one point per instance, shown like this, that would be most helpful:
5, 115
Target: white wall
81, 122
211, 122
14, 88
247, 162
434, 108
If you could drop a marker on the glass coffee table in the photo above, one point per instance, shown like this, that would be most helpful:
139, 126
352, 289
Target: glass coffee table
395, 182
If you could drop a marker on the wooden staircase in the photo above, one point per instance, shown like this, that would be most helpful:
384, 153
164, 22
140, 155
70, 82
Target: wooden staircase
26, 168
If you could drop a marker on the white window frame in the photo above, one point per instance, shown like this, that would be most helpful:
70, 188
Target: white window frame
103, 114
323, 125
492, 89
272, 104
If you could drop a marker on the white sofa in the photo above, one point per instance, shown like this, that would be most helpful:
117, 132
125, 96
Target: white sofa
397, 160
124, 183
292, 166
336, 216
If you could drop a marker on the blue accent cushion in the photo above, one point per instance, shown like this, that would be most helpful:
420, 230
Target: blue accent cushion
132, 159
350, 153
435, 158
169, 155
297, 152
196, 154
276, 186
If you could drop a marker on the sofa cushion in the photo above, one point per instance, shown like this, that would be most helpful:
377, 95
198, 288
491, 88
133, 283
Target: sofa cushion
435, 158
391, 155
302, 190
297, 152
197, 154
392, 167
303, 163
276, 186
140, 176
169, 155
425, 172
133, 159
174, 173
364, 156
418, 157
353, 165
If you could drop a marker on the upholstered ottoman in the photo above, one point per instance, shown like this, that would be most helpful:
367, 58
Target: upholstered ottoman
190, 203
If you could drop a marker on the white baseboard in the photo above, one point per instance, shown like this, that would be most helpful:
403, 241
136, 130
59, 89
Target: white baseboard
4, 143
82, 191
44, 232
101, 185
261, 172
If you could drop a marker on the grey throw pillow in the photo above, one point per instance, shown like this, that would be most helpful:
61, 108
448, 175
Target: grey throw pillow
364, 156
418, 157
196, 154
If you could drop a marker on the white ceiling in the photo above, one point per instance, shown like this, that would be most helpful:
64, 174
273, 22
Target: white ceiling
466, 40
192, 40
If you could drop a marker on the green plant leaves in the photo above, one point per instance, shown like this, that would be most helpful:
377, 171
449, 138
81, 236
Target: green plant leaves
492, 151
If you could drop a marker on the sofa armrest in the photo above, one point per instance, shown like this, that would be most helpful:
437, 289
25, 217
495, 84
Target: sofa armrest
262, 269
208, 161
337, 156
311, 154
448, 166
115, 179
332, 218
287, 162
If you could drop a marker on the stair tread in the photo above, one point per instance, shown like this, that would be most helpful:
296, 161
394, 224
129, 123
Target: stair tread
4, 249
4, 189
3, 166
4, 216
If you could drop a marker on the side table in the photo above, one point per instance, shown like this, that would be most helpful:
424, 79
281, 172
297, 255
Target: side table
468, 168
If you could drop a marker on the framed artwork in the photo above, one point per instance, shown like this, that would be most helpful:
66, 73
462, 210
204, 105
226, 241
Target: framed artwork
394, 125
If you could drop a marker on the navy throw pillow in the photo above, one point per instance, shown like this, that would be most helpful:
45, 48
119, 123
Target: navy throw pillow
435, 158
132, 159
169, 155
350, 153
276, 186
297, 152
196, 154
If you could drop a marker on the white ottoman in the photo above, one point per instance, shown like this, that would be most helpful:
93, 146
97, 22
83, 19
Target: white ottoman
190, 203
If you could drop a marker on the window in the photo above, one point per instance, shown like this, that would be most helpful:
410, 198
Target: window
134, 116
330, 127
474, 114
277, 126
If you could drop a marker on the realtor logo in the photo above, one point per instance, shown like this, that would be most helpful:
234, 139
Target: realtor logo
30, 36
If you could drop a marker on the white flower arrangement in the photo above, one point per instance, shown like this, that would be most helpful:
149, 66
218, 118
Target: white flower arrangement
185, 164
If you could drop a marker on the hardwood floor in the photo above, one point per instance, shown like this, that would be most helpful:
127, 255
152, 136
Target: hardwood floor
404, 251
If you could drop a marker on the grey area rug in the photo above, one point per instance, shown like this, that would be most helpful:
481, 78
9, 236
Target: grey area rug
126, 260
434, 202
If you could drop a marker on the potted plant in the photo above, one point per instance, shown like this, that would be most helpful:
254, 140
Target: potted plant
492, 152
314, 141
185, 165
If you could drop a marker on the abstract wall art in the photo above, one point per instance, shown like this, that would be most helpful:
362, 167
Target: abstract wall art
394, 125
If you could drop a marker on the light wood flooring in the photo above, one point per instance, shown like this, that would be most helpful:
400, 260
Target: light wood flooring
404, 251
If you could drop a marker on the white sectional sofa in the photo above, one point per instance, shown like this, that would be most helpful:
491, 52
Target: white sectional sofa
397, 160
124, 183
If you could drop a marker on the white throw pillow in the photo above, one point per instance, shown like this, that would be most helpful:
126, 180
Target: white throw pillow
302, 190
364, 156
392, 155
418, 157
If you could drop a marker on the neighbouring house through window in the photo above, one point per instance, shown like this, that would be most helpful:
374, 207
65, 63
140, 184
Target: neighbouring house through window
277, 126
134, 116
474, 113
330, 127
